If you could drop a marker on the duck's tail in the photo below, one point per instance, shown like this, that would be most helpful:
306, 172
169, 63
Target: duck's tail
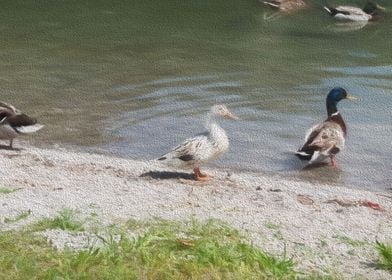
303, 155
29, 128
306, 152
23, 123
330, 10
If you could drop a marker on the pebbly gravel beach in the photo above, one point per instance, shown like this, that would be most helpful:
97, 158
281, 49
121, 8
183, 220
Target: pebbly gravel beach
322, 227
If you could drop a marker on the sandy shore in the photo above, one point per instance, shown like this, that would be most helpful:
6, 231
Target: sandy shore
324, 228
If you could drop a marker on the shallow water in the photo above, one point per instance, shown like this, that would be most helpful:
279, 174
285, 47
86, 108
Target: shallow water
134, 78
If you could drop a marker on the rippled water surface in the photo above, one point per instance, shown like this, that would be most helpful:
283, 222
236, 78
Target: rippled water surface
134, 78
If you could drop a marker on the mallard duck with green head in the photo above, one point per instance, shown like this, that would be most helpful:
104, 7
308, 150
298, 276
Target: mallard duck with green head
351, 13
324, 140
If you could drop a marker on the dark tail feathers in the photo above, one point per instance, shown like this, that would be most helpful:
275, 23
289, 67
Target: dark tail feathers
303, 155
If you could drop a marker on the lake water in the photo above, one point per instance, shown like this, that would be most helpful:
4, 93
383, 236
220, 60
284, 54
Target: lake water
134, 78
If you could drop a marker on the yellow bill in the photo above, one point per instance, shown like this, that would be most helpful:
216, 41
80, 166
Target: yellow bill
351, 97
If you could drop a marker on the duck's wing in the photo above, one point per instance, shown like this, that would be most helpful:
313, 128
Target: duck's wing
349, 10
18, 120
286, 5
8, 107
14, 117
323, 139
344, 12
4, 115
274, 3
190, 152
24, 124
306, 151
348, 13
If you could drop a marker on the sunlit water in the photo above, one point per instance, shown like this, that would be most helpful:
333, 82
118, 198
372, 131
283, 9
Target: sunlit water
134, 78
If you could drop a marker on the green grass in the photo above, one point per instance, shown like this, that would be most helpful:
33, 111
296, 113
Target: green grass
7, 190
349, 241
19, 217
271, 225
65, 220
323, 242
385, 256
166, 250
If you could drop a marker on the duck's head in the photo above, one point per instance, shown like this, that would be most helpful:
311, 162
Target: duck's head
334, 96
372, 7
220, 110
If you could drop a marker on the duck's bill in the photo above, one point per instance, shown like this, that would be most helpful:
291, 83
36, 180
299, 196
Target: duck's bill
231, 116
351, 97
380, 7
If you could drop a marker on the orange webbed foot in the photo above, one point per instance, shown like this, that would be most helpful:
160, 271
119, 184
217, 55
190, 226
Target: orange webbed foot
200, 176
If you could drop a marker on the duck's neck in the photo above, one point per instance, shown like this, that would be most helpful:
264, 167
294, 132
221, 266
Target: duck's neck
369, 8
334, 116
214, 128
331, 107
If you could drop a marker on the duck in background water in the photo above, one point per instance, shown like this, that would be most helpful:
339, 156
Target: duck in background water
350, 13
202, 148
286, 6
324, 140
14, 123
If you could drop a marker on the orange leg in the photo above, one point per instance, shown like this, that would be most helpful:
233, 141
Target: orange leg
200, 176
333, 161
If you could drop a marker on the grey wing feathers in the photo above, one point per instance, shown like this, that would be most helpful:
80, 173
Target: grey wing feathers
5, 112
321, 141
326, 137
8, 107
189, 152
350, 10
190, 149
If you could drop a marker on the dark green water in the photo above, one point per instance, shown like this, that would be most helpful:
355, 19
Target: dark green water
133, 78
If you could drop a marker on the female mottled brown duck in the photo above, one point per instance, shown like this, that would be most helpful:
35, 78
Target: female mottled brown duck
202, 148
287, 6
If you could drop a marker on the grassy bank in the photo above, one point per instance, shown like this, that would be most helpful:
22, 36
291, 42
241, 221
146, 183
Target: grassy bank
159, 250
385, 256
152, 249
